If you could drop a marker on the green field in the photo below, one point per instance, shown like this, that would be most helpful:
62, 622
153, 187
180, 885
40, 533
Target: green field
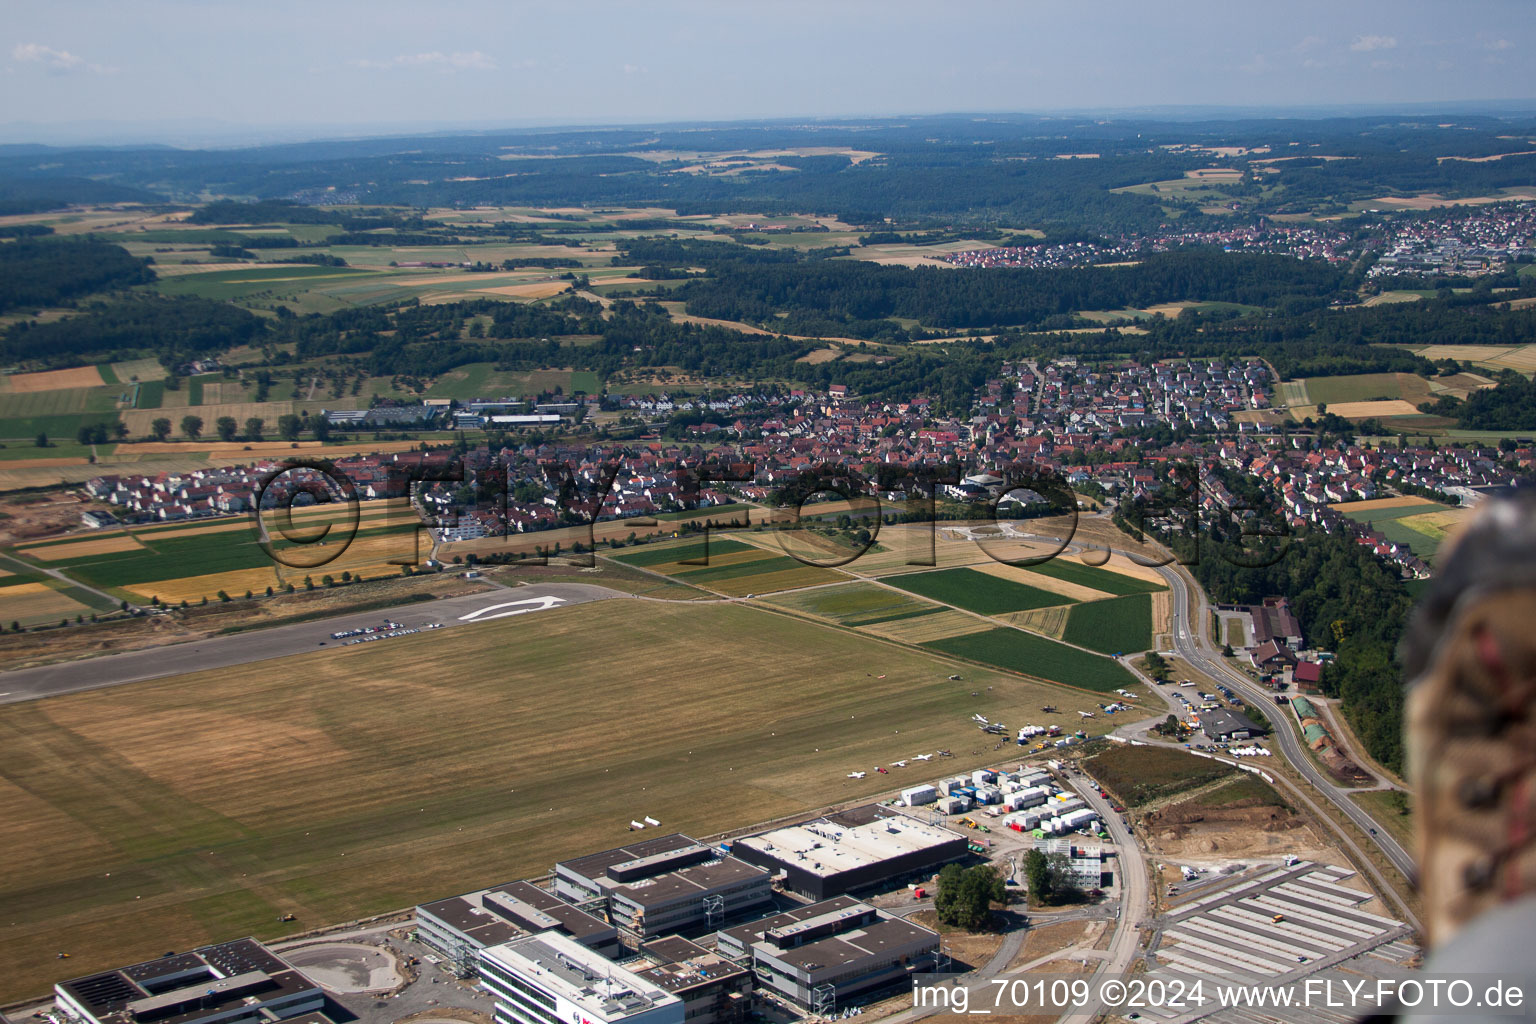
59, 413
1140, 775
151, 395
757, 567
977, 591
1039, 657
1105, 580
167, 558
1422, 544
354, 781
1119, 625
1365, 387
483, 380
857, 604
60, 446
665, 557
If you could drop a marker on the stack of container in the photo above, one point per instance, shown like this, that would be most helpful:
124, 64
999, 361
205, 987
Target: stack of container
919, 795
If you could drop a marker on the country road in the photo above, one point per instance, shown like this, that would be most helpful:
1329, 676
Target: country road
1190, 640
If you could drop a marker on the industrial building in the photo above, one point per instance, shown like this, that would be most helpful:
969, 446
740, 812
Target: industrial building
820, 956
663, 885
460, 926
1086, 862
553, 979
229, 983
854, 849
714, 990
1221, 725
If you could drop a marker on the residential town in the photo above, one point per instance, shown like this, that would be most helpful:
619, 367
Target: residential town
1113, 431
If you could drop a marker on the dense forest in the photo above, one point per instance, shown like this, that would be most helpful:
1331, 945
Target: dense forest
169, 327
851, 296
37, 272
1510, 406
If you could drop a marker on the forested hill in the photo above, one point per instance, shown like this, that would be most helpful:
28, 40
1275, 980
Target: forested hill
44, 272
843, 296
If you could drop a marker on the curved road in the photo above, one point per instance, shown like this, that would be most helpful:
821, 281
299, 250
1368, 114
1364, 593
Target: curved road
1191, 642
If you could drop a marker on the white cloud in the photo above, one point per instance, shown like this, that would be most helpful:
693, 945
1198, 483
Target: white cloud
1366, 44
1500, 44
1257, 65
1309, 43
633, 69
56, 60
435, 60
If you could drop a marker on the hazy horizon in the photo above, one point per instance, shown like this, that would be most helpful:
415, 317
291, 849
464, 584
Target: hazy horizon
210, 73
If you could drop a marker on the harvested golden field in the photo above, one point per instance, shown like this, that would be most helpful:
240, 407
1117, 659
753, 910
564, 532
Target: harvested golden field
353, 781
1162, 612
265, 449
820, 355
183, 269
938, 626
193, 589
1051, 622
534, 290
53, 380
36, 602
1366, 506
1360, 410
1387, 298
79, 549
1075, 591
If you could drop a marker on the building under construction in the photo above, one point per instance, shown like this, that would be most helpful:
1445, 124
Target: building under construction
822, 955
665, 885
460, 926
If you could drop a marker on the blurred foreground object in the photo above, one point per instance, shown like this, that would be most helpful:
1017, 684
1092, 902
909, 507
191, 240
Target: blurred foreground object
1469, 655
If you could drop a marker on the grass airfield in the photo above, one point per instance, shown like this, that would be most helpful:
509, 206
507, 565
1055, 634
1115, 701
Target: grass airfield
165, 814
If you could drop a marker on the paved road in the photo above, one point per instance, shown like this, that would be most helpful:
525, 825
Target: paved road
282, 641
1194, 646
1135, 901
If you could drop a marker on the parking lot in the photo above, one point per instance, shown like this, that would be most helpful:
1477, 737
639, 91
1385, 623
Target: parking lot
1282, 925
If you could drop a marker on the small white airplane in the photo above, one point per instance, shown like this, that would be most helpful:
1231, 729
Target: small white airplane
923, 757
898, 764
1085, 714
857, 775
979, 718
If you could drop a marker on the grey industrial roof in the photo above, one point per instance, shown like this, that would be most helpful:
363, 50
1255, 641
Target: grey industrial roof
234, 972
594, 864
667, 887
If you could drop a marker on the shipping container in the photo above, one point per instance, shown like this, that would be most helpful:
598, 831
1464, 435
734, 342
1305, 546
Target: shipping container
919, 795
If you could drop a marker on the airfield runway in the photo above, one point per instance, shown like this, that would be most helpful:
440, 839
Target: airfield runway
281, 641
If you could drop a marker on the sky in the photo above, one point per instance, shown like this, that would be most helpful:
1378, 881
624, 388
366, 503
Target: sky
183, 71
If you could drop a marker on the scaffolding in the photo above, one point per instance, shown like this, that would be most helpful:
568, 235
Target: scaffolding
714, 911
824, 1000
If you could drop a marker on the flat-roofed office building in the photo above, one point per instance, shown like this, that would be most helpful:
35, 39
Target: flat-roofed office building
714, 989
239, 982
821, 955
460, 926
553, 979
665, 885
